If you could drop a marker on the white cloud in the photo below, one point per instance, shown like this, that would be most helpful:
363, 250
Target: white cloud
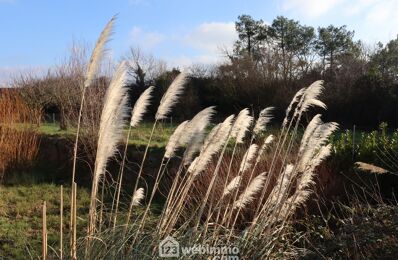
185, 61
310, 8
208, 40
146, 40
210, 37
203, 44
382, 12
358, 6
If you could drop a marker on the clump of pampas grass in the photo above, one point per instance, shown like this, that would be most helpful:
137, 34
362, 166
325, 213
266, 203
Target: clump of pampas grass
235, 183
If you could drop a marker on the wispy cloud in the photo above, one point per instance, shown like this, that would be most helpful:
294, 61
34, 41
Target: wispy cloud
146, 40
382, 12
209, 40
210, 37
310, 8
204, 43
358, 6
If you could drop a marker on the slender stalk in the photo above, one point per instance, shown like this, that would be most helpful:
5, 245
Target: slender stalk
215, 174
139, 175
61, 226
44, 232
121, 177
102, 203
75, 222
155, 187
77, 134
169, 198
76, 146
71, 218
73, 227
229, 216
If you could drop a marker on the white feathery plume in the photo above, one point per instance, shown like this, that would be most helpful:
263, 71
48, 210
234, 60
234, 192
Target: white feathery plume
314, 123
281, 185
248, 157
295, 99
138, 196
318, 138
213, 143
292, 203
110, 132
262, 121
315, 103
140, 107
171, 96
321, 134
248, 195
241, 125
98, 52
232, 185
193, 147
197, 125
302, 192
173, 143
112, 120
311, 96
210, 137
193, 165
322, 154
264, 146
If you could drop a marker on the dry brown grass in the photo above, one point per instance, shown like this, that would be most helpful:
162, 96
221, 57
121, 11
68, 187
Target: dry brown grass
18, 138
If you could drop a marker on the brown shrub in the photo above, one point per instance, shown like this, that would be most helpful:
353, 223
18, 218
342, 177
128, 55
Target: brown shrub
18, 138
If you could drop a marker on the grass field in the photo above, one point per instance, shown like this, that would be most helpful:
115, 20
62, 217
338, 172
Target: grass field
139, 136
21, 221
21, 218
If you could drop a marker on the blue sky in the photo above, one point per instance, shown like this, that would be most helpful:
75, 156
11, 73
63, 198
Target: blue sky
37, 34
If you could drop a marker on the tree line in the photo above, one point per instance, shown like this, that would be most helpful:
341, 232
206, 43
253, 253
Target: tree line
268, 64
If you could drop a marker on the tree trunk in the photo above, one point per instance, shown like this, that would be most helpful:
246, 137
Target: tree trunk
62, 119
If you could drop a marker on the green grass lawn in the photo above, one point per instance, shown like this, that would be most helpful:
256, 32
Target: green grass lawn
139, 136
21, 218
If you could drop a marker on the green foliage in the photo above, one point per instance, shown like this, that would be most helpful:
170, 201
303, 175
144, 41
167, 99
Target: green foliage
333, 41
385, 60
377, 147
251, 32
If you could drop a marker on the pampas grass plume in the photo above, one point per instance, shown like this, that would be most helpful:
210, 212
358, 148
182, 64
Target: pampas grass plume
140, 107
241, 125
232, 185
213, 143
248, 195
248, 157
173, 142
138, 196
98, 53
171, 96
262, 121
